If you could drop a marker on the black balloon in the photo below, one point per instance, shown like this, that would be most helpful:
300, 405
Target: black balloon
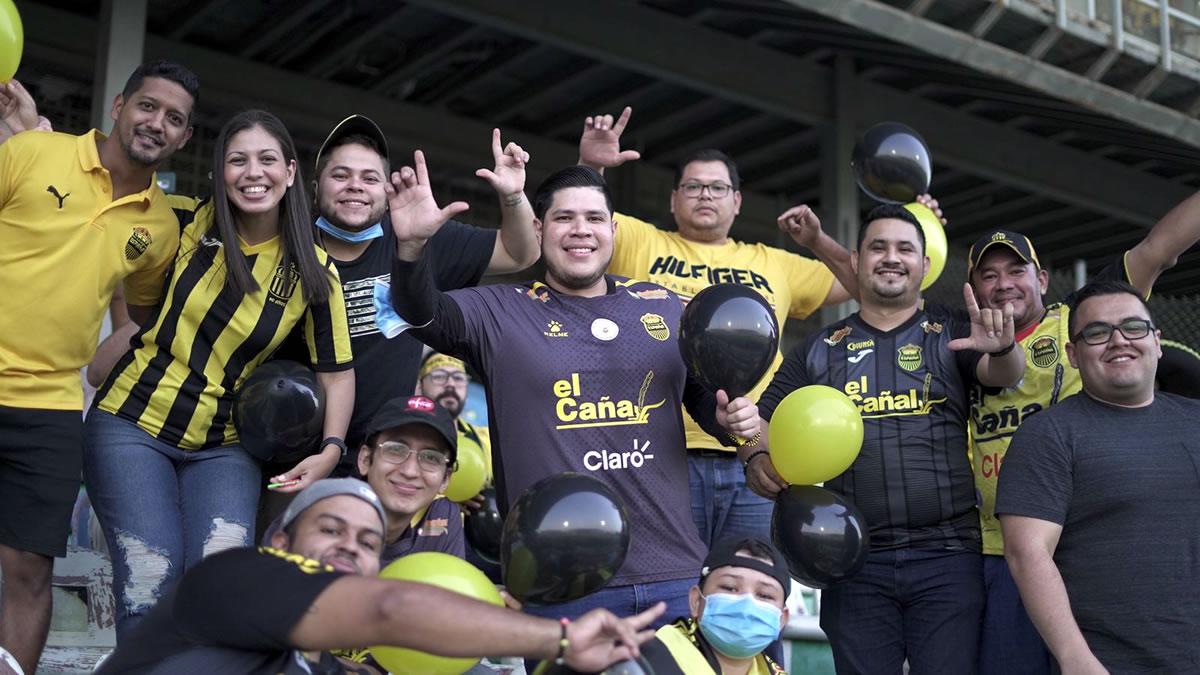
891, 163
280, 412
485, 527
638, 666
565, 537
728, 337
823, 537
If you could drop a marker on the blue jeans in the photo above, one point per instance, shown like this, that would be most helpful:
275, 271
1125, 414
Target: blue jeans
623, 601
163, 509
722, 506
921, 605
1009, 643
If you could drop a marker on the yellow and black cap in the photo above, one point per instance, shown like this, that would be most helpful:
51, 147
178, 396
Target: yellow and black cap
355, 125
1018, 243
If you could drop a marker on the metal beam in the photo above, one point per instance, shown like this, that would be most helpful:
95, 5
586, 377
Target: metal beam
285, 25
336, 57
652, 42
199, 11
992, 59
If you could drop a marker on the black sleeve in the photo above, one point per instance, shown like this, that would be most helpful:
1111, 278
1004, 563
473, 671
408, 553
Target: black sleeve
436, 319
1036, 480
461, 254
792, 374
248, 599
701, 404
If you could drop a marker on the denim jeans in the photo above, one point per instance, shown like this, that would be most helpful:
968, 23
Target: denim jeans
1009, 643
623, 601
163, 509
722, 506
916, 604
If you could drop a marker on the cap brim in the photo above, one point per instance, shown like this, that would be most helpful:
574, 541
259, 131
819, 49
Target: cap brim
1000, 242
355, 124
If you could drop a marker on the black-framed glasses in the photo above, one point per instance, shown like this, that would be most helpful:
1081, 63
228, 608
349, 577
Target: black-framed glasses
717, 190
397, 452
441, 377
1100, 332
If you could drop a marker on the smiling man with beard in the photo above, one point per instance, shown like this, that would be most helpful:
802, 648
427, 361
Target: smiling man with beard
444, 379
907, 366
79, 216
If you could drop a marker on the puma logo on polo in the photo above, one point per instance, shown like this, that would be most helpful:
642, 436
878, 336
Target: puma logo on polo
61, 198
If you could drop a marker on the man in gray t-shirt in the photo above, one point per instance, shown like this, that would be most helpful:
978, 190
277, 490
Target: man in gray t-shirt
1099, 499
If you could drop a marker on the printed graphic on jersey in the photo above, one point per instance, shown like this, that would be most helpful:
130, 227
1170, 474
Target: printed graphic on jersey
138, 242
554, 329
890, 404
682, 269
605, 329
932, 327
306, 565
1044, 351
611, 460
909, 358
578, 409
283, 284
651, 294
360, 305
656, 327
855, 358
836, 336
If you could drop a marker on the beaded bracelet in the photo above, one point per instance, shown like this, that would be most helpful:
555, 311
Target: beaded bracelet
563, 642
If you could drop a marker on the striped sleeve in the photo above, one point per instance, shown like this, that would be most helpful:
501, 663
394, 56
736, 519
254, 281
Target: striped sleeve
326, 330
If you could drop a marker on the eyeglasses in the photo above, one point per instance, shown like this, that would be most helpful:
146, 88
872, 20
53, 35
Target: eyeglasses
717, 190
1099, 332
395, 452
440, 377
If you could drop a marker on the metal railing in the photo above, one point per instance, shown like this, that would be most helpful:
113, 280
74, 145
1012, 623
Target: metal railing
1139, 21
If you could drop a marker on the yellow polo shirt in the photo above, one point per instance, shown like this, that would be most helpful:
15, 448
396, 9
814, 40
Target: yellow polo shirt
66, 245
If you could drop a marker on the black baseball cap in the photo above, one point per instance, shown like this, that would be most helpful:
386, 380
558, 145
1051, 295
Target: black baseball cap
352, 125
1179, 369
724, 553
1019, 244
406, 410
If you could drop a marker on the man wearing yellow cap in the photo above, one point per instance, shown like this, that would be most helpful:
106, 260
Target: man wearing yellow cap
444, 379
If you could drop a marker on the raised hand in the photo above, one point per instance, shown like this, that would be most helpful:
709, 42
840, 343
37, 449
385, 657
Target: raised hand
415, 214
508, 178
310, 470
17, 108
801, 224
599, 639
991, 329
600, 144
928, 201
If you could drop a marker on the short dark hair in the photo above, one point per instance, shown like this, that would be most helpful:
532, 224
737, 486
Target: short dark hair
357, 139
890, 212
167, 70
709, 155
572, 176
1096, 288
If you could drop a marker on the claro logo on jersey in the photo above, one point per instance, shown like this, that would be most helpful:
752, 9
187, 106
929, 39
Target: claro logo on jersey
577, 409
611, 460
888, 404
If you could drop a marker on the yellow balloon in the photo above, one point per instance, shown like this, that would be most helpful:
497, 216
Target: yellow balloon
12, 40
444, 571
470, 476
935, 241
814, 435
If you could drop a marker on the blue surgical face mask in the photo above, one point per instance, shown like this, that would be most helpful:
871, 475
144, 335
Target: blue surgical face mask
739, 626
367, 234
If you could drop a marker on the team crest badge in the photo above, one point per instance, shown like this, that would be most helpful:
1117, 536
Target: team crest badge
837, 336
1044, 351
283, 284
139, 241
908, 357
656, 327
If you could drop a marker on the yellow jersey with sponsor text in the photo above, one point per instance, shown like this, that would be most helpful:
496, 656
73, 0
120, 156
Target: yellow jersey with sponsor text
996, 414
794, 286
66, 246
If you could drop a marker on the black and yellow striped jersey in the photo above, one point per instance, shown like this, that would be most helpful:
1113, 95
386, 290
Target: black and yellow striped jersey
178, 380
